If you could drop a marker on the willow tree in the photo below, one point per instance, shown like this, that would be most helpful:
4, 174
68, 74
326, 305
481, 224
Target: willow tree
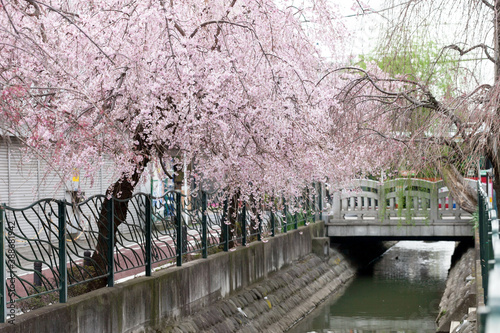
445, 114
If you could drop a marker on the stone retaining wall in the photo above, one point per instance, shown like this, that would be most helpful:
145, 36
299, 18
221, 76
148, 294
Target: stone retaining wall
275, 304
459, 295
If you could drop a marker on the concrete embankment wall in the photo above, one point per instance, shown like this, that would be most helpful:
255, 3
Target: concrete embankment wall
460, 293
150, 304
275, 304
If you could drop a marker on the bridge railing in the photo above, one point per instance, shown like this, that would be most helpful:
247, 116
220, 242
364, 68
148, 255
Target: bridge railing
489, 251
396, 200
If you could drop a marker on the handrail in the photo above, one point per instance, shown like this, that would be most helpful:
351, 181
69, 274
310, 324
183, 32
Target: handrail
489, 242
118, 235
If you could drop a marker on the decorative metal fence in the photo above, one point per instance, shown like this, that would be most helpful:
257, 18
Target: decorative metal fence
489, 240
84, 245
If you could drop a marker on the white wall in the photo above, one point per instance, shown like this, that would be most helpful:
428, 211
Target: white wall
22, 183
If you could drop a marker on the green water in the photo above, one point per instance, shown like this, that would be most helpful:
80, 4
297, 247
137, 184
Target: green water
400, 294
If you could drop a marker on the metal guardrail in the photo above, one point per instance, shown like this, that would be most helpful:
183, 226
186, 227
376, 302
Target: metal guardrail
71, 251
489, 251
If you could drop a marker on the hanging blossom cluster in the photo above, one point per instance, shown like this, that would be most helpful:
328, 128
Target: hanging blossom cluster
236, 88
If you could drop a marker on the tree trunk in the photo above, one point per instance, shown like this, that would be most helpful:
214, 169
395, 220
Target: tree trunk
122, 189
460, 189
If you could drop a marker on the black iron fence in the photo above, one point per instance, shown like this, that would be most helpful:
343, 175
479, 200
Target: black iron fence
489, 240
54, 249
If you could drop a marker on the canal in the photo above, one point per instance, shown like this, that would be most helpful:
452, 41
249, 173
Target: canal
399, 292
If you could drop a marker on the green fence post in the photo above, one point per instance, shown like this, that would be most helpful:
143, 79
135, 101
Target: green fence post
148, 235
482, 322
296, 219
259, 235
486, 243
204, 243
63, 272
312, 208
308, 205
285, 214
320, 201
178, 220
482, 240
3, 291
225, 227
244, 225
111, 241
273, 224
489, 248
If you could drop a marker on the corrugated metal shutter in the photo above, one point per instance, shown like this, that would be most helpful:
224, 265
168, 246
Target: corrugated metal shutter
23, 184
50, 184
23, 179
102, 180
4, 172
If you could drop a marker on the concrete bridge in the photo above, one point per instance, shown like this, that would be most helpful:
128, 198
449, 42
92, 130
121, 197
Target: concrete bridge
398, 209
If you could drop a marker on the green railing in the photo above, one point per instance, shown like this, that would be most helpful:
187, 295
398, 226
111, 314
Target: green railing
406, 199
54, 249
489, 240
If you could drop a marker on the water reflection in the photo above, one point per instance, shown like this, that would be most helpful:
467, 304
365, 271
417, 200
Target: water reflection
415, 261
400, 295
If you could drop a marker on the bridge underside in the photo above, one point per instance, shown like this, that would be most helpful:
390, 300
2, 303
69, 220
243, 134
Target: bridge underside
334, 239
389, 231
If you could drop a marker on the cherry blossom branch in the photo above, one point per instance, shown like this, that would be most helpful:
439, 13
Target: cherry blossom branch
218, 22
163, 167
76, 26
484, 47
37, 9
436, 140
9, 17
379, 133
172, 49
431, 102
219, 30
109, 101
489, 5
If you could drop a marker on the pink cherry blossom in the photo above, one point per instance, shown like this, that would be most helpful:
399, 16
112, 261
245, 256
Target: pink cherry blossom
237, 89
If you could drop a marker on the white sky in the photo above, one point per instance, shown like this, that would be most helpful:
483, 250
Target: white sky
365, 30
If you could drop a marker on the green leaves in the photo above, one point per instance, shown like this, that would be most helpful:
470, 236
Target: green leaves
416, 60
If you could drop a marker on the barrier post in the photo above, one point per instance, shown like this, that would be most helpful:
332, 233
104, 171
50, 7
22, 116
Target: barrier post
225, 227
285, 214
178, 222
320, 201
63, 272
244, 225
204, 243
273, 224
148, 235
111, 241
3, 290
